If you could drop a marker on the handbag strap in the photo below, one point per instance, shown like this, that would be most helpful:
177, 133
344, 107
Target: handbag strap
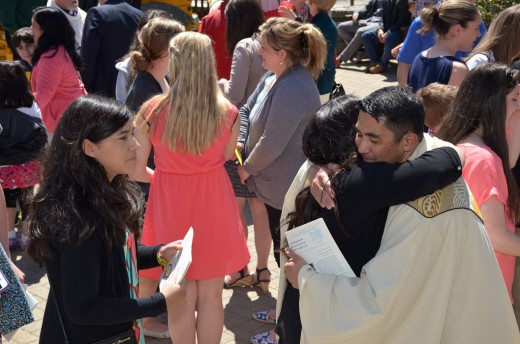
59, 314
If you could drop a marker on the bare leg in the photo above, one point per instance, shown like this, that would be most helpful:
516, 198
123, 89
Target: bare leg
181, 318
230, 279
241, 203
11, 217
147, 287
210, 311
262, 233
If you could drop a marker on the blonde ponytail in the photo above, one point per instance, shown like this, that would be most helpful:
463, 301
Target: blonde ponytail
303, 43
316, 47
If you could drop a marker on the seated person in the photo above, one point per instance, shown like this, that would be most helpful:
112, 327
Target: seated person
23, 41
395, 17
350, 31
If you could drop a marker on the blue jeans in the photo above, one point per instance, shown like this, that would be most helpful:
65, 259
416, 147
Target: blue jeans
370, 40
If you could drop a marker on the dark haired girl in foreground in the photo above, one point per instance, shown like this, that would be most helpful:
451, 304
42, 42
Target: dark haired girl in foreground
84, 223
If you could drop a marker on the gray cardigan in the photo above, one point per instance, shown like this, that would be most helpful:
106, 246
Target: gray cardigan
273, 138
246, 71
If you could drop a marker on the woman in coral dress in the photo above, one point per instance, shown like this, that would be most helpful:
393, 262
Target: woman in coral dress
193, 130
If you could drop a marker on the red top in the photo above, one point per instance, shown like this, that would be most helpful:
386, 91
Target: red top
214, 25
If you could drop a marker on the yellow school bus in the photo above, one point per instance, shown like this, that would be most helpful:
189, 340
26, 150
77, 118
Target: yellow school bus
181, 10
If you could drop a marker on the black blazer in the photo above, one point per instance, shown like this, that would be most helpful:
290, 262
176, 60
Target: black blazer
107, 35
395, 15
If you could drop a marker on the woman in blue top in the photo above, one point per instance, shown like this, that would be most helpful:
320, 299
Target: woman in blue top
319, 10
457, 25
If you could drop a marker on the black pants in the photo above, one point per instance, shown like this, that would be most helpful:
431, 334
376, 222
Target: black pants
274, 216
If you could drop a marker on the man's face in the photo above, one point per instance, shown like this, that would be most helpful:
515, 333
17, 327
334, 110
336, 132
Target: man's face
376, 143
70, 5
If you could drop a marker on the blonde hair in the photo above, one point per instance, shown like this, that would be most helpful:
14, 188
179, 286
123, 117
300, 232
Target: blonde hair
303, 43
502, 37
154, 39
436, 99
449, 13
194, 107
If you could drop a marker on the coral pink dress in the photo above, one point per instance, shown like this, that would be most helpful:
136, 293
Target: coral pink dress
195, 191
485, 177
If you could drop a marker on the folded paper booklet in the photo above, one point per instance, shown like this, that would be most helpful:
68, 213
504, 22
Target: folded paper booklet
176, 269
314, 243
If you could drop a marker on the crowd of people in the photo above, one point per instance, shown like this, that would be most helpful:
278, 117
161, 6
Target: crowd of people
119, 131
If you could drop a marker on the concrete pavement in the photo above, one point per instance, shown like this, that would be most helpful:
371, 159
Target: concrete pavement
239, 303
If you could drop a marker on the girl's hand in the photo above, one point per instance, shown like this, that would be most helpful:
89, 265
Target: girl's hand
169, 250
286, 12
321, 189
242, 174
224, 85
174, 293
293, 267
19, 273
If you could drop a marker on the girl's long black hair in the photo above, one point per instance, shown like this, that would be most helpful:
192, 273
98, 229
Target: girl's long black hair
75, 197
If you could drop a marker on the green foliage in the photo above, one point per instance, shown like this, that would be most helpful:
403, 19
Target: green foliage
490, 8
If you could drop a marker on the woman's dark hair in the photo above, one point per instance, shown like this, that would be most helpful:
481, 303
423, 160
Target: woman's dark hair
56, 31
15, 91
481, 103
75, 197
328, 138
244, 17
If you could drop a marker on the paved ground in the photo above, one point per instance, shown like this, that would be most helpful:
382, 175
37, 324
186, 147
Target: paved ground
238, 303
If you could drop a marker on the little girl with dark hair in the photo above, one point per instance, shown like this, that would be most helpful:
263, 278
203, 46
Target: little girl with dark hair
22, 140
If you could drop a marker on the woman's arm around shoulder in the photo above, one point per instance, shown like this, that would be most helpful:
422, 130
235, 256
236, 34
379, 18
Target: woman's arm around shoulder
373, 186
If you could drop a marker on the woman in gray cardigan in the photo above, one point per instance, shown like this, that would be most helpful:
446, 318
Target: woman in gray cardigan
275, 115
273, 120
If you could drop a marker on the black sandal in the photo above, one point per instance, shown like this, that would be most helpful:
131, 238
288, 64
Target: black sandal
242, 281
263, 283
